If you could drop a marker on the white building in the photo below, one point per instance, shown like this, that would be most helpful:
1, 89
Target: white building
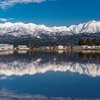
89, 47
60, 47
23, 47
47, 47
6, 47
84, 46
77, 47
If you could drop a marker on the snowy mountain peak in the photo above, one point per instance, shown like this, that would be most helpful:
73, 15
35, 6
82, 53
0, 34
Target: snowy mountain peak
18, 29
89, 27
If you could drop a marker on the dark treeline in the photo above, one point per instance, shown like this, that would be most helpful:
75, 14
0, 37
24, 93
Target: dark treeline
89, 42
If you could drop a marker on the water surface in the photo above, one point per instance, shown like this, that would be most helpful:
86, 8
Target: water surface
59, 75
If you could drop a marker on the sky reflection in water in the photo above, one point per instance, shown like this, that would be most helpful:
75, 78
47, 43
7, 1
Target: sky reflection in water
63, 75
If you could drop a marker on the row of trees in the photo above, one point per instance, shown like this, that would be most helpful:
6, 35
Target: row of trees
89, 42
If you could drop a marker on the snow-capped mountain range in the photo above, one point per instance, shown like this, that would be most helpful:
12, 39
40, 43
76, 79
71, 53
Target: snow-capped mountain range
18, 29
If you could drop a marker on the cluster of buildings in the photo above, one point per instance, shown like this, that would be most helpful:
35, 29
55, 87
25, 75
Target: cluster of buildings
59, 47
86, 47
11, 47
24, 47
74, 47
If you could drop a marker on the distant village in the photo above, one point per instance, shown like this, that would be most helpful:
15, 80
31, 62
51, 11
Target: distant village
93, 44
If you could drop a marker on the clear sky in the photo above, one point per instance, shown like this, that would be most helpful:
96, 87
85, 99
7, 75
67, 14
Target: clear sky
50, 12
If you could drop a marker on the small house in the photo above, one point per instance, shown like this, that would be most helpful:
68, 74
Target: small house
47, 48
60, 47
23, 47
84, 46
77, 47
89, 47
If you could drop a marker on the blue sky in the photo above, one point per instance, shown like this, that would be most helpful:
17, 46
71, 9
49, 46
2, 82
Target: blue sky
50, 12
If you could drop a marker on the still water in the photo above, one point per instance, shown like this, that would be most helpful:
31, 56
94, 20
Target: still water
61, 75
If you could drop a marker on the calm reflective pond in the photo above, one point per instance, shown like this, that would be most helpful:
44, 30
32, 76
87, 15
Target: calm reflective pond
59, 75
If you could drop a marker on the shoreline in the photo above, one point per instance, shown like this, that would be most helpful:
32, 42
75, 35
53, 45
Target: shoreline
50, 50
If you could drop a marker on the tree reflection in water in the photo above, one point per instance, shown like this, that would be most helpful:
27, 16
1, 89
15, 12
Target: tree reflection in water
89, 55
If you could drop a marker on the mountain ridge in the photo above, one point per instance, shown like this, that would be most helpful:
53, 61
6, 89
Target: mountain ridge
18, 29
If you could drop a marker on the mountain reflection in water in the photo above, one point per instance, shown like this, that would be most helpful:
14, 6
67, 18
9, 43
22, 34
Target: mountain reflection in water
24, 62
